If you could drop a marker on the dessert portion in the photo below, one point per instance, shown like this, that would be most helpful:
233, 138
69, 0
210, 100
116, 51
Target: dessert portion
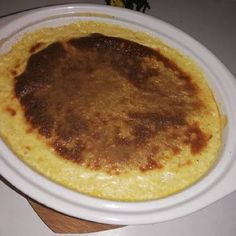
108, 112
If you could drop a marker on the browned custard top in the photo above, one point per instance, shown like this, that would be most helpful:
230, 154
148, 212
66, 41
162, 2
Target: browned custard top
110, 104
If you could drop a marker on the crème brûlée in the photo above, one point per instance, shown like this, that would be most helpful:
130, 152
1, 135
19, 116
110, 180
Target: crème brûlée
108, 111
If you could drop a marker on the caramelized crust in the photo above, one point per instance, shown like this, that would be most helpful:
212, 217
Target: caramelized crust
110, 104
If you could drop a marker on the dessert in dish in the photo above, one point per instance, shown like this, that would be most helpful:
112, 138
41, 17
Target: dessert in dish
108, 111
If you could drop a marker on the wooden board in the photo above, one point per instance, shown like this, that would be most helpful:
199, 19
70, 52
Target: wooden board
60, 223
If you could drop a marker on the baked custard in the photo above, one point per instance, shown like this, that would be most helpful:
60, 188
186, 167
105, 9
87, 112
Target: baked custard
108, 111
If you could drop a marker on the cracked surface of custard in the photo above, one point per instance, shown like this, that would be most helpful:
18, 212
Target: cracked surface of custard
108, 112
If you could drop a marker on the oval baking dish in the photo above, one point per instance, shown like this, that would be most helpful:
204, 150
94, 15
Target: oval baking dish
219, 182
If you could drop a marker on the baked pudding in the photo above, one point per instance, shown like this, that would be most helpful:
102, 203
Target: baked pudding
108, 111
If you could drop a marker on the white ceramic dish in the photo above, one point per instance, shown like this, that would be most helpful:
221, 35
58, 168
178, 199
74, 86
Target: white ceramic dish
219, 182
